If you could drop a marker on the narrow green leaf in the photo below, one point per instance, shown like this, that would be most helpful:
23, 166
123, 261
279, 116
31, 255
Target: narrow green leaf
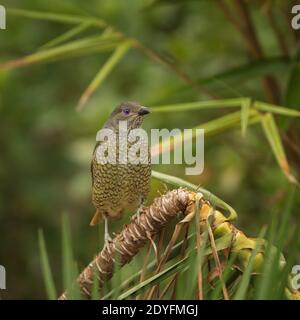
292, 98
157, 278
245, 111
267, 107
265, 279
249, 71
95, 287
64, 50
47, 274
221, 244
210, 104
105, 70
175, 251
56, 17
215, 126
273, 136
66, 253
69, 265
66, 36
229, 121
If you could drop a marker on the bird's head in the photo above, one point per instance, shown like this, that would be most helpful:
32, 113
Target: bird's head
132, 112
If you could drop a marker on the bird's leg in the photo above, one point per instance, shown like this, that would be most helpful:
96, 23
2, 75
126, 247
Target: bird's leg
137, 215
107, 237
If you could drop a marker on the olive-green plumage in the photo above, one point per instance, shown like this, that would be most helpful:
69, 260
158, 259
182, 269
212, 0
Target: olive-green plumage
119, 187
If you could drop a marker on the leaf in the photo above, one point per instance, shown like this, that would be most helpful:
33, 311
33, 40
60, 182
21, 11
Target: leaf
175, 251
47, 274
209, 196
56, 17
292, 98
105, 70
228, 121
64, 50
212, 127
69, 266
241, 74
157, 278
273, 136
267, 107
66, 36
221, 244
198, 105
252, 70
245, 111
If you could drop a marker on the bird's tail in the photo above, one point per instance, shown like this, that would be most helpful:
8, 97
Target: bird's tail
96, 218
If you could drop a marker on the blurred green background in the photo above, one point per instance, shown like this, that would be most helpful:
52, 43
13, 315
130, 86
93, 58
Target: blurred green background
46, 145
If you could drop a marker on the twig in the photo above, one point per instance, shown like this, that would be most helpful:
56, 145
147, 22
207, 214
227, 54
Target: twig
144, 269
279, 36
245, 26
199, 244
217, 260
155, 56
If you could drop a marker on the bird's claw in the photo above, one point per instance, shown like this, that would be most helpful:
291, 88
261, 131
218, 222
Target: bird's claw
137, 215
107, 240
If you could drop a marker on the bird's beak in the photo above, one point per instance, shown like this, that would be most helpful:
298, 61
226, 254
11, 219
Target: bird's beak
143, 111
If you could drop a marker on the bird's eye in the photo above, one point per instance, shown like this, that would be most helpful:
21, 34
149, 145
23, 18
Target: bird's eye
126, 111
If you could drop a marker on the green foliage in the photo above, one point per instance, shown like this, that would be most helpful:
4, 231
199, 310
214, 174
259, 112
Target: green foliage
48, 278
177, 63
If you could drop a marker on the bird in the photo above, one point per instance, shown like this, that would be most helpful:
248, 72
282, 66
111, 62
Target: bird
119, 187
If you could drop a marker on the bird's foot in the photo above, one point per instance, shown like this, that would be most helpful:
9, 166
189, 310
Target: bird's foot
137, 215
107, 239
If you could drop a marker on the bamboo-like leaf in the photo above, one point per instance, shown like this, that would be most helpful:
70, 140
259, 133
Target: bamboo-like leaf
175, 251
210, 104
273, 136
245, 110
250, 71
69, 266
45, 265
267, 107
56, 17
64, 50
226, 80
270, 265
221, 244
292, 98
212, 127
105, 70
216, 201
226, 122
66, 36
157, 278
95, 286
